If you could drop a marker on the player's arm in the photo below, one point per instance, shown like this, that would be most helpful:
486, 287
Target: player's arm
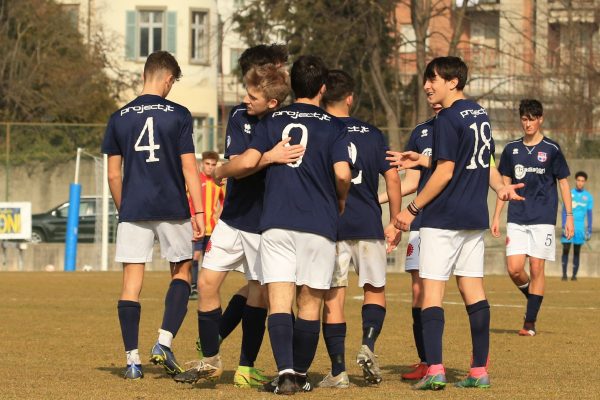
588, 234
239, 166
499, 205
280, 154
189, 167
439, 180
410, 184
565, 192
408, 159
115, 179
394, 193
343, 177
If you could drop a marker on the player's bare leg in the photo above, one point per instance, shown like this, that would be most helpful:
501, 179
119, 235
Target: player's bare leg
306, 332
334, 333
515, 266
478, 308
419, 369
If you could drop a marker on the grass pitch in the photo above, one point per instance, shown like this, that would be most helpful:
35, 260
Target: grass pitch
60, 339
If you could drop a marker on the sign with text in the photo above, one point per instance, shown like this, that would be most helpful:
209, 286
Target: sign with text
15, 221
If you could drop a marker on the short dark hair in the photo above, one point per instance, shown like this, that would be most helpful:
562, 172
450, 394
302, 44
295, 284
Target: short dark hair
210, 155
272, 81
162, 61
582, 174
261, 55
339, 85
308, 76
448, 68
531, 108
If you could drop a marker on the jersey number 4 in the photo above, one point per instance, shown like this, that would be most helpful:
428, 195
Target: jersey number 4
151, 148
479, 132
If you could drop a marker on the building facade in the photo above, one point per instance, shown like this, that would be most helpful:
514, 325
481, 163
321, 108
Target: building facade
133, 29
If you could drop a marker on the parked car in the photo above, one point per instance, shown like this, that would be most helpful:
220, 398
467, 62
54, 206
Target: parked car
51, 226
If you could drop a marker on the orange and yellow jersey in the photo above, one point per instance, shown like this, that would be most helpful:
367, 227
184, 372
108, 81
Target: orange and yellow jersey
213, 196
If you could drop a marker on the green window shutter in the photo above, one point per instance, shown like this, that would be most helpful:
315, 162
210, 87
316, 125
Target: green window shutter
172, 32
130, 35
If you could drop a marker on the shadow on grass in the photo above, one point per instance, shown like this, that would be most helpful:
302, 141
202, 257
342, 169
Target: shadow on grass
452, 374
150, 371
514, 331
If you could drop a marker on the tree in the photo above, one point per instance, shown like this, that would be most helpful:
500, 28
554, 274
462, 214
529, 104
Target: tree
47, 73
358, 36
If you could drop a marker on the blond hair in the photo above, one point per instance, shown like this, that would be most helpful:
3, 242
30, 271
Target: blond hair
270, 80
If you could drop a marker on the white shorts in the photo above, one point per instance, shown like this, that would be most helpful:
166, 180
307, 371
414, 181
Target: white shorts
300, 257
412, 251
368, 258
135, 241
446, 251
533, 240
230, 249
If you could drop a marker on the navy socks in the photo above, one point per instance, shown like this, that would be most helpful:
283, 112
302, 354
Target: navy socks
306, 339
129, 318
176, 302
232, 315
253, 327
372, 322
432, 319
208, 327
281, 334
479, 319
418, 333
335, 336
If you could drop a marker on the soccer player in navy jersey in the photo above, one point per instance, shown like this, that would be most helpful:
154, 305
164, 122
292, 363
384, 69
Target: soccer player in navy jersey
360, 237
538, 162
230, 247
455, 216
420, 141
151, 138
299, 221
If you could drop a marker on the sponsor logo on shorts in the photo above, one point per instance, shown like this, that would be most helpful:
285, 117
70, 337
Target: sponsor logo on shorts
507, 240
542, 157
409, 250
208, 246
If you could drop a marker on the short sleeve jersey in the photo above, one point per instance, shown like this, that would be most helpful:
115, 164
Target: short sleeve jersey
244, 198
538, 167
421, 141
463, 135
302, 196
362, 215
150, 134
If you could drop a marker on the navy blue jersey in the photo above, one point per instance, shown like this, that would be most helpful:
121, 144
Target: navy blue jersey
421, 141
538, 167
243, 197
301, 196
151, 133
462, 134
362, 216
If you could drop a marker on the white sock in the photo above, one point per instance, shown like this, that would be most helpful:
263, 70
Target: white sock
133, 357
524, 286
165, 338
286, 371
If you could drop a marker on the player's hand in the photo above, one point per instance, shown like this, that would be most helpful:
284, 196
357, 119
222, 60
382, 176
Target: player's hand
569, 227
198, 226
588, 236
284, 153
509, 192
403, 220
403, 160
392, 237
495, 228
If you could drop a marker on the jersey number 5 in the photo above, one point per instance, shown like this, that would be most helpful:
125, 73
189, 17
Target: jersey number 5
487, 142
149, 127
303, 140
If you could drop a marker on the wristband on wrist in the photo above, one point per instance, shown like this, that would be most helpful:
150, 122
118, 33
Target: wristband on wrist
569, 214
199, 212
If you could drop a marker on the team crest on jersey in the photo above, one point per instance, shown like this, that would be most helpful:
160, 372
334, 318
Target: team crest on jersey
410, 250
542, 157
424, 133
515, 151
247, 129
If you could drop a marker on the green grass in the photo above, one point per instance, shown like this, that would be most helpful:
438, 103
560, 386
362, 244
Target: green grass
61, 340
